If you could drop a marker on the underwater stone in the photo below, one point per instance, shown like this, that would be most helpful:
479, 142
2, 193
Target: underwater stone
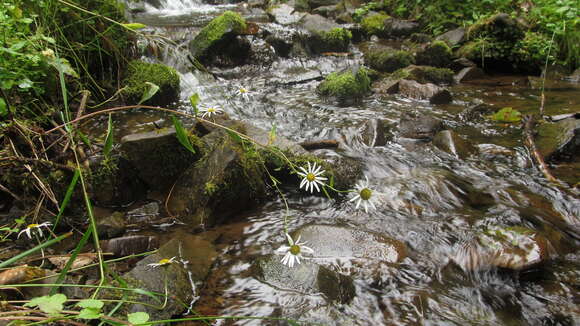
306, 277
418, 126
450, 142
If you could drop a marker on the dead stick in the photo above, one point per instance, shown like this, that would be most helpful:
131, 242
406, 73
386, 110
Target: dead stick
529, 141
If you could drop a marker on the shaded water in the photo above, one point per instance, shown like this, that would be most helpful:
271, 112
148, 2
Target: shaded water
430, 200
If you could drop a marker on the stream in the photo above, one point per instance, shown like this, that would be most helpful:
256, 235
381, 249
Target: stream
433, 202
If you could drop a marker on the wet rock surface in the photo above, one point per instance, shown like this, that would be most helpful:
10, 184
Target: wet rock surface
111, 226
307, 278
431, 92
419, 126
560, 141
450, 142
130, 245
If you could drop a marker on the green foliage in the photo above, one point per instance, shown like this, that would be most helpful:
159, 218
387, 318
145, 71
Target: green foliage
388, 60
507, 114
151, 89
337, 39
346, 85
182, 135
374, 24
109, 138
534, 49
50, 304
91, 309
140, 73
137, 318
194, 100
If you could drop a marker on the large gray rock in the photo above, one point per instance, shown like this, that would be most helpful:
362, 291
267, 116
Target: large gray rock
193, 259
433, 93
319, 3
284, 14
515, 248
453, 37
419, 126
306, 277
395, 28
157, 156
346, 243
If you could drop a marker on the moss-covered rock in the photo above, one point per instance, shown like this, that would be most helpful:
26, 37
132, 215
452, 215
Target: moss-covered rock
425, 74
335, 40
140, 72
374, 24
346, 86
213, 37
437, 54
388, 60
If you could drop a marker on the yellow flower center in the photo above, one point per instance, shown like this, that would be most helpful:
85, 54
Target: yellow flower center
310, 177
366, 193
164, 261
243, 90
31, 226
211, 110
295, 250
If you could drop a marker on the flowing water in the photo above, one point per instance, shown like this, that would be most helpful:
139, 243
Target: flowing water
428, 199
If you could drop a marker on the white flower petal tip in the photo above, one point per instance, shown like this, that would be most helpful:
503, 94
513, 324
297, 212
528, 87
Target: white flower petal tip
312, 177
34, 228
364, 195
293, 253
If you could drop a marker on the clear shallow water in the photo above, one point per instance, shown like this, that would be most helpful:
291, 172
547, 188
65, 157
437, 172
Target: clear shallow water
429, 200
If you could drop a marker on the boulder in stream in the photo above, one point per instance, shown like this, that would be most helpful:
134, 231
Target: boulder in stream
559, 141
193, 259
306, 277
158, 156
346, 86
217, 37
431, 92
437, 54
139, 73
324, 35
284, 14
425, 75
387, 59
514, 248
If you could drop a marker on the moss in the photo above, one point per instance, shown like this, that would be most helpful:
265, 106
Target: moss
374, 24
165, 77
432, 75
437, 54
388, 60
337, 39
532, 52
210, 188
345, 85
227, 23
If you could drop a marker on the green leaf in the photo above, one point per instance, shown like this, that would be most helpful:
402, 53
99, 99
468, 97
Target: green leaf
3, 108
182, 135
194, 100
91, 303
50, 304
149, 92
90, 313
109, 139
137, 318
235, 137
62, 64
507, 114
134, 26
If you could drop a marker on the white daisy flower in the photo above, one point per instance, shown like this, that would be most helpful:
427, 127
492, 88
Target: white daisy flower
209, 111
243, 92
34, 227
364, 195
162, 262
293, 253
311, 178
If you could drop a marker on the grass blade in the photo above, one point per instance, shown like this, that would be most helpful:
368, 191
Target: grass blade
109, 139
182, 135
29, 252
194, 100
151, 90
67, 196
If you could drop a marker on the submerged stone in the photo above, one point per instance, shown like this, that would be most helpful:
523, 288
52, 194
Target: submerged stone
346, 243
306, 277
450, 142
419, 126
515, 248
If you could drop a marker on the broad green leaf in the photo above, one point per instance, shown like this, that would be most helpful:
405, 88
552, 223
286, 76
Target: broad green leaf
182, 135
3, 108
507, 114
90, 313
91, 303
194, 100
134, 26
137, 318
62, 64
235, 137
151, 90
109, 139
50, 304
272, 135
